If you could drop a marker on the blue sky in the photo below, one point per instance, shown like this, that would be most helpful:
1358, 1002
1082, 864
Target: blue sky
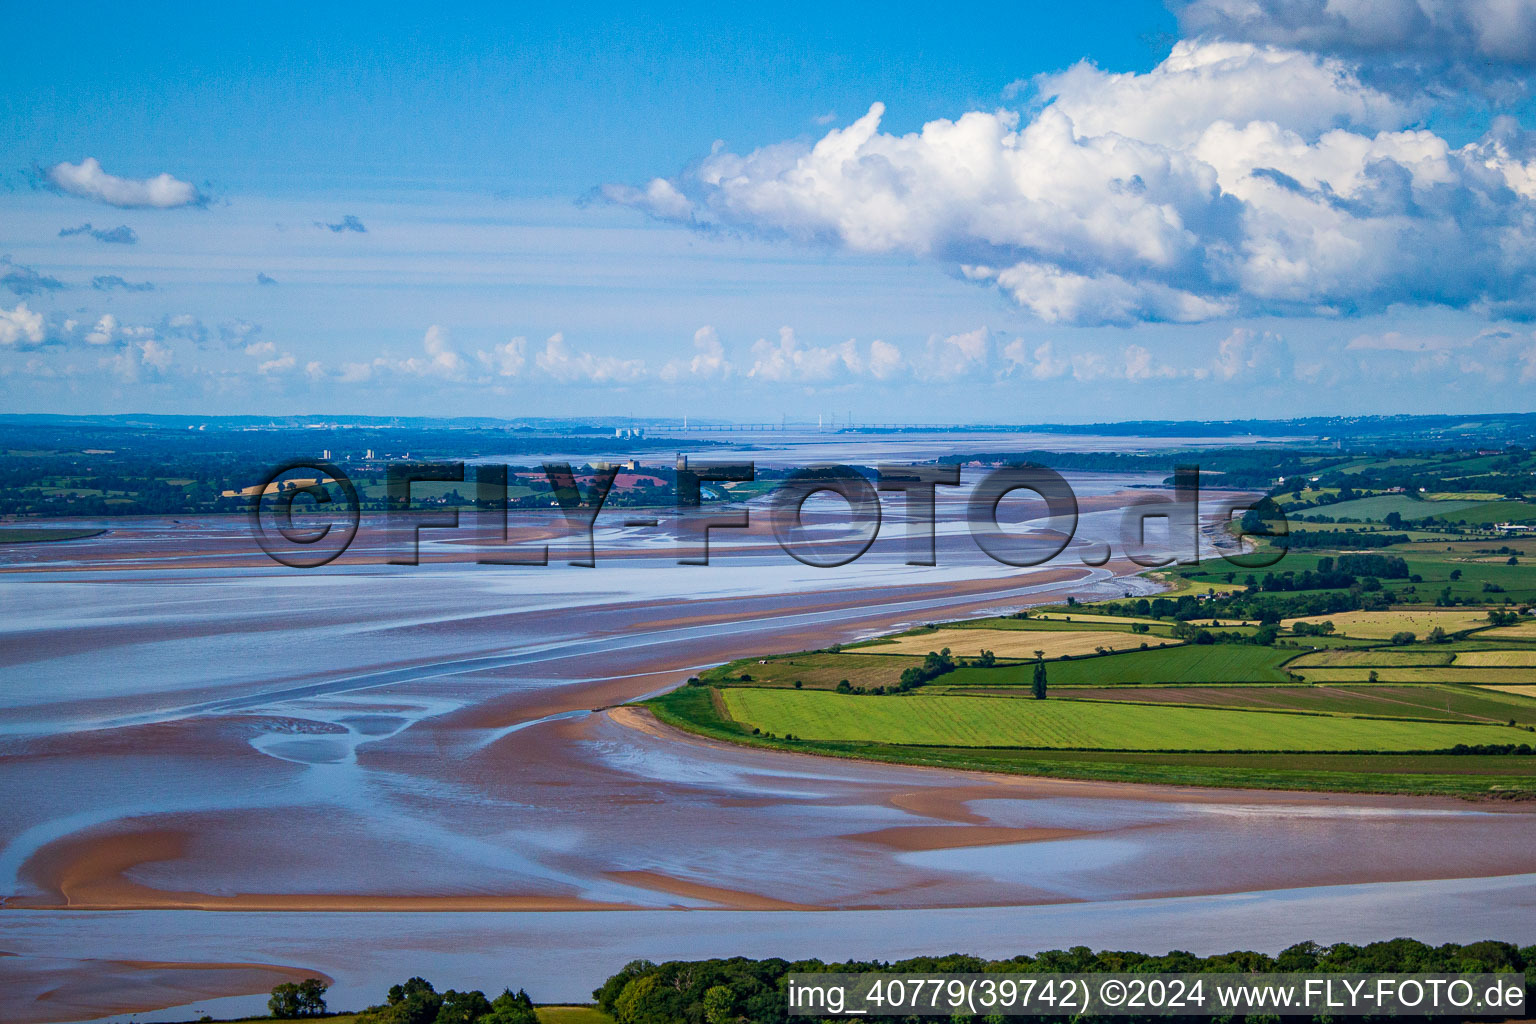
1228, 210
525, 99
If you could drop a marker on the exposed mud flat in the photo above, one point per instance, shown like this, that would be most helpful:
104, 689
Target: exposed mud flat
191, 727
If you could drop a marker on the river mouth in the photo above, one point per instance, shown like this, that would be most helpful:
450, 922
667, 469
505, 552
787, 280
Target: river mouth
199, 730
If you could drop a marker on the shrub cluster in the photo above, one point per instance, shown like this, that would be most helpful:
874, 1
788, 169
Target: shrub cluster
417, 1002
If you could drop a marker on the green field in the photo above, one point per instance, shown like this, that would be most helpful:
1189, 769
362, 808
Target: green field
1440, 703
1083, 725
1474, 512
1192, 663
572, 1015
1046, 617
1429, 560
1468, 775
1361, 464
1382, 505
1181, 583
1515, 582
1487, 513
1462, 496
1524, 544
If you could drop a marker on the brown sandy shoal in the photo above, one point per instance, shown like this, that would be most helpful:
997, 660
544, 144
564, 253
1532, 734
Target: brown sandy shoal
89, 872
41, 989
642, 720
731, 899
92, 870
914, 838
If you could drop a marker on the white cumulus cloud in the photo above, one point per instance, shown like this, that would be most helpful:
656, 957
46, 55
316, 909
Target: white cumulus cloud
110, 331
129, 362
1234, 178
21, 326
440, 360
506, 359
957, 355
560, 361
156, 354
87, 180
708, 362
1042, 361
885, 360
1253, 355
282, 364
1140, 364
789, 361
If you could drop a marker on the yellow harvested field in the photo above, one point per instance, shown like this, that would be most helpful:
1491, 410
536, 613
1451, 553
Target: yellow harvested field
1518, 691
1410, 674
1374, 658
1381, 625
1520, 631
1496, 659
1011, 643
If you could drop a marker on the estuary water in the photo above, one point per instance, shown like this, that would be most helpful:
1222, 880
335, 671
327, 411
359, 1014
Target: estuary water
216, 769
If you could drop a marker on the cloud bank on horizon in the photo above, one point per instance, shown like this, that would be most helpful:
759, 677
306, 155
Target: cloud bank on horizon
1235, 178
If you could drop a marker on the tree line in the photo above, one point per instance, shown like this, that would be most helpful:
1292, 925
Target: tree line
740, 989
